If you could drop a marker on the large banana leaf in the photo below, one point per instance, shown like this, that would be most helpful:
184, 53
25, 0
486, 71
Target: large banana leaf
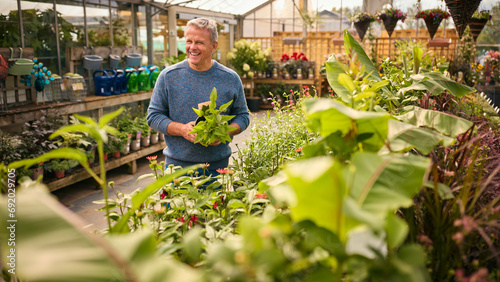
327, 116
444, 123
436, 83
404, 136
51, 245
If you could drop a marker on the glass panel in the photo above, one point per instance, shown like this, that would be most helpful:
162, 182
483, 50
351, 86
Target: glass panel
160, 36
9, 24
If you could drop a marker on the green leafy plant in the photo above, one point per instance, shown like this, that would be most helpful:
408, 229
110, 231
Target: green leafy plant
212, 125
58, 165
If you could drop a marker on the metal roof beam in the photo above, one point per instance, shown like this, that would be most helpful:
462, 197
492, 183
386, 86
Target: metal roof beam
257, 8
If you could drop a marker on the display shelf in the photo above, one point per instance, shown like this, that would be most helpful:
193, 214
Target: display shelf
129, 159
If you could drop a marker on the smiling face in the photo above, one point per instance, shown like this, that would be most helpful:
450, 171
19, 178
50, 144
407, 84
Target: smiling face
199, 48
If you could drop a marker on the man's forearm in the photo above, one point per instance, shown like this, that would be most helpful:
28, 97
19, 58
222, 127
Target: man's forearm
236, 131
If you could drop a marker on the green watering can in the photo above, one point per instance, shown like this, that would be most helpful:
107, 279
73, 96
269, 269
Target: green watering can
133, 81
154, 75
145, 77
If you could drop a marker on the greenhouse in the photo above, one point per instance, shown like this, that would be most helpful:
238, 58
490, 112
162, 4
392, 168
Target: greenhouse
265, 140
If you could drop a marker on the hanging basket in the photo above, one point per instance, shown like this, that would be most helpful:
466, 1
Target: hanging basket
432, 26
390, 24
476, 26
361, 28
461, 11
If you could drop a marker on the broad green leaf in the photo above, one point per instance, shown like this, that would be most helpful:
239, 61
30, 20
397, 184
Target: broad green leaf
319, 192
404, 136
105, 119
444, 123
192, 245
351, 45
85, 119
436, 83
223, 108
327, 116
396, 230
347, 82
333, 70
418, 53
200, 113
213, 99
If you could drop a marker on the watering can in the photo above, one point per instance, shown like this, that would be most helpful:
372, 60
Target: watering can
133, 80
117, 82
133, 59
155, 72
145, 75
19, 66
104, 84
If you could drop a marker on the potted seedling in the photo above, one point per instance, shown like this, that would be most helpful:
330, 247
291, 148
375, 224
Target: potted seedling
136, 136
109, 148
154, 136
58, 167
146, 133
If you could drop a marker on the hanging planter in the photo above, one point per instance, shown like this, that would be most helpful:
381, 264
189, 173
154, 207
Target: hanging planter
362, 22
477, 23
432, 18
461, 11
390, 17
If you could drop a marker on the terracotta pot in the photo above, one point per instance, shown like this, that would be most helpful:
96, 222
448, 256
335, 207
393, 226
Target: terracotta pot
116, 154
461, 11
105, 157
59, 174
37, 172
161, 137
145, 141
361, 28
135, 145
432, 26
154, 138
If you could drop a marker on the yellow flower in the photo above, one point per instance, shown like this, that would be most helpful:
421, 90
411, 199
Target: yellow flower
230, 55
472, 65
250, 74
479, 67
246, 67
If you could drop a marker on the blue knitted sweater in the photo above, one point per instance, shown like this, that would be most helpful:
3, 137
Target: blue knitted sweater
178, 90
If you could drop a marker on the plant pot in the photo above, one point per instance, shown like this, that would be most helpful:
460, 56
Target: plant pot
390, 24
116, 154
145, 141
135, 145
105, 157
253, 104
432, 26
59, 174
161, 137
476, 26
361, 28
37, 172
126, 148
154, 138
461, 11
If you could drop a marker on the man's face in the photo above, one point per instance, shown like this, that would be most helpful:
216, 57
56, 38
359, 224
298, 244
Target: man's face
199, 48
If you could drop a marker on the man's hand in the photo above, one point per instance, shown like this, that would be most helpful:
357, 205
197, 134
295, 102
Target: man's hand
181, 129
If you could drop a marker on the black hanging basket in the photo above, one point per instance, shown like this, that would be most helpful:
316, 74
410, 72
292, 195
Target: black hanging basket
390, 24
461, 11
361, 28
476, 26
432, 26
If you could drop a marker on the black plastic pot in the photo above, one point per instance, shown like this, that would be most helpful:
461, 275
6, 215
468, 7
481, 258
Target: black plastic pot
253, 104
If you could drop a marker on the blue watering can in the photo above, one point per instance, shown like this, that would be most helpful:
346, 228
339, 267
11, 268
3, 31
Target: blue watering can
104, 84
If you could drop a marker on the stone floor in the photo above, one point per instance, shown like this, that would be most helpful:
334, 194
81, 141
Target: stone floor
80, 196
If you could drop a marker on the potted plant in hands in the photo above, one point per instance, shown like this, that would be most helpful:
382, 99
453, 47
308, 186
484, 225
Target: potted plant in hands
433, 18
58, 167
390, 17
361, 22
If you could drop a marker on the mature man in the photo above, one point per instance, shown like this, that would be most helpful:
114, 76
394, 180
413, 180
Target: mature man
183, 86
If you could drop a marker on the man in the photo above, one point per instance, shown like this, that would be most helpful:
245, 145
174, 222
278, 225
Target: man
183, 86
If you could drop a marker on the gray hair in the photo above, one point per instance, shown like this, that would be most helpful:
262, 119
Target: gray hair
204, 23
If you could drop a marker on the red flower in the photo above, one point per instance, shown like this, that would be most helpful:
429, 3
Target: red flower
151, 158
298, 150
261, 196
225, 171
181, 219
215, 205
192, 220
163, 194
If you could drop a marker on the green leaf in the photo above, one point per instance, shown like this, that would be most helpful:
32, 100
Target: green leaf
200, 113
192, 245
224, 107
213, 99
333, 70
61, 153
347, 82
396, 230
444, 191
442, 122
85, 119
418, 53
436, 83
105, 119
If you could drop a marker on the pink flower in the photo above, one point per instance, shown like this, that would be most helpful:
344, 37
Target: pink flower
150, 158
261, 196
298, 150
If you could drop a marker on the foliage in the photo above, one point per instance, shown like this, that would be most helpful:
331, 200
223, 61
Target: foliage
100, 35
483, 14
211, 124
247, 57
275, 139
58, 165
389, 12
362, 17
8, 148
461, 64
172, 60
436, 15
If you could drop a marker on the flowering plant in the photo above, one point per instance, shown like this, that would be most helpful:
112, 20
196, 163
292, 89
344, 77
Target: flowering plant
294, 62
248, 57
389, 12
484, 15
362, 17
437, 15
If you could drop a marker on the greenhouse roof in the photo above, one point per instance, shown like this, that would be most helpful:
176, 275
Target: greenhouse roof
235, 7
